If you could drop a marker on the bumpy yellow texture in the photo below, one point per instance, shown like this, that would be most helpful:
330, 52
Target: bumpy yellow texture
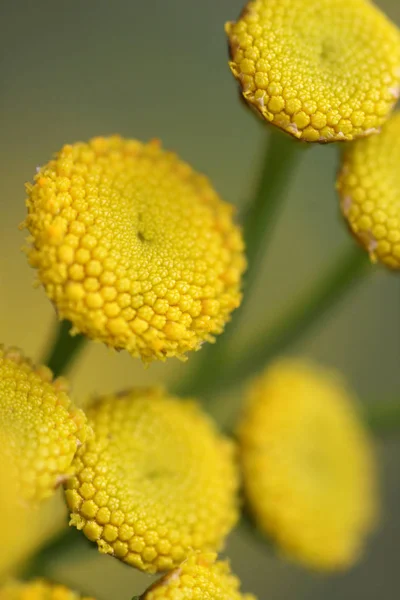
369, 188
40, 428
134, 247
156, 481
309, 471
38, 590
200, 577
321, 71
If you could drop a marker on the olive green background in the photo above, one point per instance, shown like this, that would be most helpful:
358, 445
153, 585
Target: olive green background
158, 68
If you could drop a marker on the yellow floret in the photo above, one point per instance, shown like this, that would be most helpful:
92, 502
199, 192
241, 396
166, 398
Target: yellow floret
134, 248
369, 188
321, 71
309, 471
156, 481
200, 577
40, 429
38, 590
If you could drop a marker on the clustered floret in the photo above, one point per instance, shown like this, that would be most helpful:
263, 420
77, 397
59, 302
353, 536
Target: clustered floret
40, 428
200, 577
133, 247
155, 482
321, 71
38, 589
308, 466
369, 188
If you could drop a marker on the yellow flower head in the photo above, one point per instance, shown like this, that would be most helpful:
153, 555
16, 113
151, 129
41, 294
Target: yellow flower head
321, 71
200, 577
309, 472
156, 481
38, 590
133, 247
369, 188
40, 429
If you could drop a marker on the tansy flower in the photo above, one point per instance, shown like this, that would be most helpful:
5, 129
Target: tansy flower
156, 481
200, 577
369, 188
40, 429
38, 590
321, 71
309, 473
133, 247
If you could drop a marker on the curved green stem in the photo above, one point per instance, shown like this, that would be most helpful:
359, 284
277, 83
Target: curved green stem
338, 280
64, 349
280, 157
383, 418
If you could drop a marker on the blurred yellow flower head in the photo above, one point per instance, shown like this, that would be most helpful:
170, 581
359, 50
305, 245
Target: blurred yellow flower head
321, 71
369, 188
38, 589
134, 248
308, 467
199, 577
156, 481
40, 428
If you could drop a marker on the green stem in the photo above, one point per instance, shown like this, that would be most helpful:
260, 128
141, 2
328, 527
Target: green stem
64, 543
383, 418
280, 157
64, 349
346, 271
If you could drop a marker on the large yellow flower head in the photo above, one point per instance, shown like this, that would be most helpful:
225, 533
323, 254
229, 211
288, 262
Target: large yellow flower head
133, 247
369, 187
156, 481
200, 577
309, 472
40, 429
321, 71
38, 589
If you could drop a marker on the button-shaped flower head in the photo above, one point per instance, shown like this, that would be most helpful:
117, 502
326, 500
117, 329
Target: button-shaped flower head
156, 481
308, 467
134, 248
321, 71
369, 188
40, 428
38, 589
198, 578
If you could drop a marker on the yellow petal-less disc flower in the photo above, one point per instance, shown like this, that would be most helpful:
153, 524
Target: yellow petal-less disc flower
321, 71
200, 577
156, 481
309, 471
369, 188
38, 589
40, 428
134, 248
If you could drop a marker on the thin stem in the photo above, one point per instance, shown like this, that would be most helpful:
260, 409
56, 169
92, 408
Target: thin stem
280, 157
305, 313
64, 543
64, 349
383, 418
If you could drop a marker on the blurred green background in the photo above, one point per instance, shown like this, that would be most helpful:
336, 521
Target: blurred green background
158, 68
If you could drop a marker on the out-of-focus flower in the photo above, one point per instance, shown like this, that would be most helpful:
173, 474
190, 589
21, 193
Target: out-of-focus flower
369, 188
134, 248
156, 481
38, 589
40, 428
24, 528
200, 577
321, 71
308, 466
